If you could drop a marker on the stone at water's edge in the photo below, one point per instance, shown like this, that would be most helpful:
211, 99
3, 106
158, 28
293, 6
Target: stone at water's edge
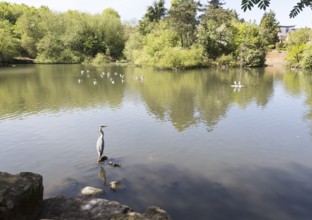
21, 199
85, 208
90, 191
21, 195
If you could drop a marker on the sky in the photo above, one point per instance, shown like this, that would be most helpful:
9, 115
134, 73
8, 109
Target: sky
135, 9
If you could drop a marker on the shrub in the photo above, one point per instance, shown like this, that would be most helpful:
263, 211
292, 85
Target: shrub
307, 57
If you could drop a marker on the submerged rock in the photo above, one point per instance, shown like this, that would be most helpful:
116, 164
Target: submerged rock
90, 191
21, 195
113, 164
114, 185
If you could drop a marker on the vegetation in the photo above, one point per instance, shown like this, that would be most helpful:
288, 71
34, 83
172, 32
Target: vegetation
299, 49
49, 37
187, 35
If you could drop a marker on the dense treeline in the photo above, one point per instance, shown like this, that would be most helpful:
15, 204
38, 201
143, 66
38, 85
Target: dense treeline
186, 35
191, 35
50, 37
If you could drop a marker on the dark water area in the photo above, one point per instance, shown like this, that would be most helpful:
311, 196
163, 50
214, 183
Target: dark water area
186, 140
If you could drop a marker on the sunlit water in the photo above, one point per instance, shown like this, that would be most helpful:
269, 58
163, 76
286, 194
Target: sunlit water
186, 141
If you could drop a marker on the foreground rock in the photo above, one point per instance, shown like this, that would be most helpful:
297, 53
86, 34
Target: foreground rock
20, 196
95, 208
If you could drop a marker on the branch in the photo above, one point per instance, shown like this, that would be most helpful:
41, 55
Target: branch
299, 7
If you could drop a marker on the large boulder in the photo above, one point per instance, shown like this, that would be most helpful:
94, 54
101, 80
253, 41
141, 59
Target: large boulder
21, 196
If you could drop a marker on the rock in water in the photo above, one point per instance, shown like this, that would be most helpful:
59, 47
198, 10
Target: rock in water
90, 191
21, 195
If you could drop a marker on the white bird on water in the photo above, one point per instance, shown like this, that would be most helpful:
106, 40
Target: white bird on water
237, 85
100, 144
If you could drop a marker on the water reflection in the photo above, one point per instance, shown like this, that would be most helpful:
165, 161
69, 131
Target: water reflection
254, 163
238, 193
169, 96
102, 175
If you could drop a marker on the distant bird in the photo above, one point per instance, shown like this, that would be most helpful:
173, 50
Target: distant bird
100, 144
94, 82
81, 72
79, 80
237, 85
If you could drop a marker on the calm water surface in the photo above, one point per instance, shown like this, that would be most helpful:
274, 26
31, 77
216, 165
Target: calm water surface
187, 141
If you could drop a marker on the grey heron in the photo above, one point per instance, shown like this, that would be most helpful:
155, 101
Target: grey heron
100, 144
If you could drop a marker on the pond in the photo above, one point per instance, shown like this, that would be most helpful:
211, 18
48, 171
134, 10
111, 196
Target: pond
186, 140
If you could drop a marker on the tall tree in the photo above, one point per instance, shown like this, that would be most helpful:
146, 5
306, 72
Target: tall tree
269, 28
182, 17
154, 13
8, 42
215, 31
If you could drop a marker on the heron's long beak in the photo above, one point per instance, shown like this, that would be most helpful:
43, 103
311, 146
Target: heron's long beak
103, 126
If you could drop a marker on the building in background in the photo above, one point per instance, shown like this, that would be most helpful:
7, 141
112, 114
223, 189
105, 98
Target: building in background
284, 32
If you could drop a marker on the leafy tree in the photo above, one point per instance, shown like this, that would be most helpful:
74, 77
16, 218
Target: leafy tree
11, 12
154, 13
269, 28
263, 4
182, 17
250, 50
112, 29
31, 27
298, 46
307, 57
215, 31
216, 3
8, 42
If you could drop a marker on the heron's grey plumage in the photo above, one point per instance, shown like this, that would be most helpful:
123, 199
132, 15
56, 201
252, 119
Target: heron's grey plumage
100, 144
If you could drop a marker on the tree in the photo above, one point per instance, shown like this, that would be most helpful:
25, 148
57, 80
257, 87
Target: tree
31, 27
8, 42
156, 12
215, 3
298, 46
153, 15
182, 17
269, 28
216, 31
263, 4
250, 50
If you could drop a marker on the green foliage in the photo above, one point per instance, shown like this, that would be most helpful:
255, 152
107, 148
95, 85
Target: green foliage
162, 48
51, 49
302, 35
307, 57
263, 4
250, 50
251, 56
68, 37
133, 43
182, 17
31, 27
8, 42
226, 61
298, 48
100, 59
280, 46
269, 28
216, 32
295, 53
154, 14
